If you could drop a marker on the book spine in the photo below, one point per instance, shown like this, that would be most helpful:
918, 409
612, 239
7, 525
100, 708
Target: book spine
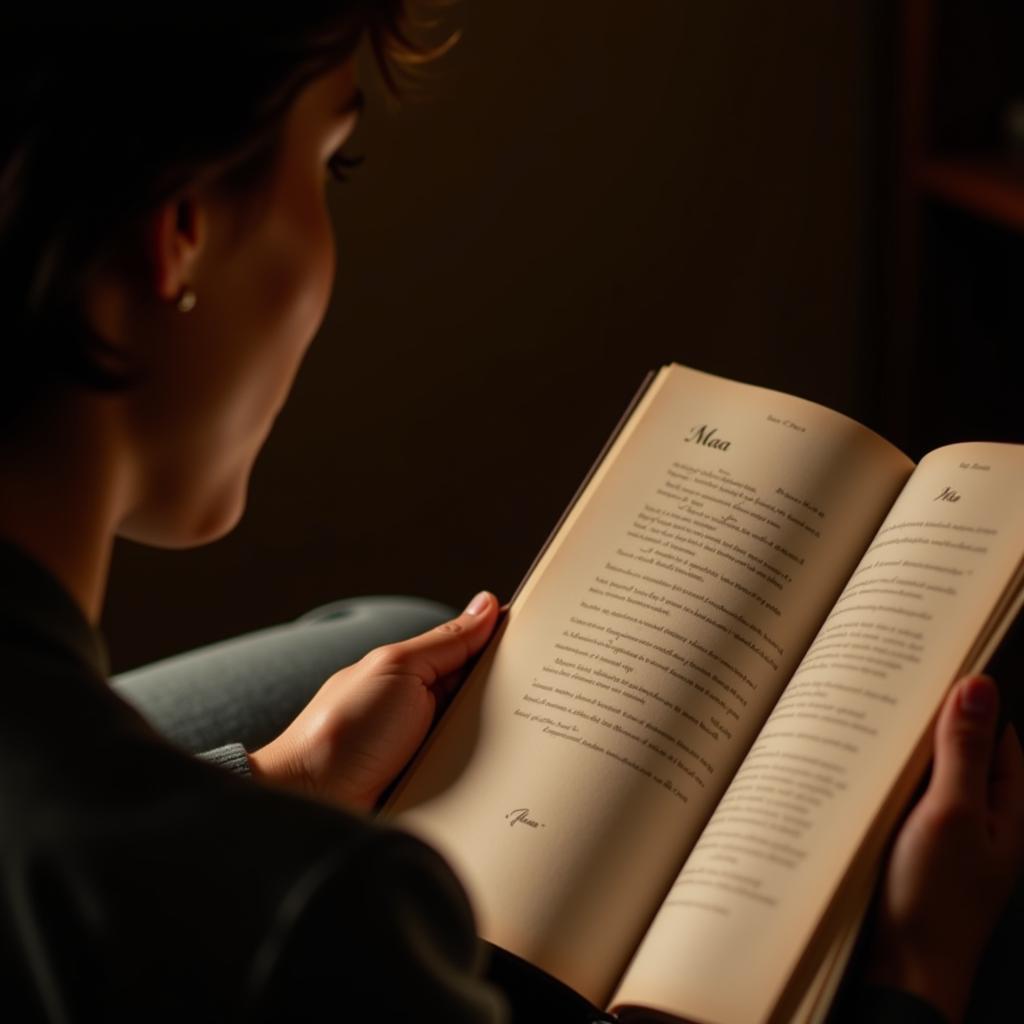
623, 420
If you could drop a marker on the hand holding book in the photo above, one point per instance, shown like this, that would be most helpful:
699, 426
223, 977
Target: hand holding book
669, 779
362, 726
956, 857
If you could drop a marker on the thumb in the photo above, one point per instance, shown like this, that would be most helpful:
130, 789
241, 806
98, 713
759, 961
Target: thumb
444, 649
964, 738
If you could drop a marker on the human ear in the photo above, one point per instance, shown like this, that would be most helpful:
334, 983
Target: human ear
173, 237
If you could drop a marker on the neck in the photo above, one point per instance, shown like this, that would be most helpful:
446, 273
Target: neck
61, 494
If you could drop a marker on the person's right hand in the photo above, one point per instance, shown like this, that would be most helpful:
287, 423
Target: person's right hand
956, 859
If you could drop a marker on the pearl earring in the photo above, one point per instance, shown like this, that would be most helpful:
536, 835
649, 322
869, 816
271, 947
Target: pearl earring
186, 300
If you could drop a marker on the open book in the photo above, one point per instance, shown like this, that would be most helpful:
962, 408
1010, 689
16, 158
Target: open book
669, 779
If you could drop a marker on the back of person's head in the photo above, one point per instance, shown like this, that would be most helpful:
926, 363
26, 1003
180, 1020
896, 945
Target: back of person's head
107, 112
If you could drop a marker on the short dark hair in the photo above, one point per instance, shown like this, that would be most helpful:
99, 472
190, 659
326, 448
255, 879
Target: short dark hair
105, 114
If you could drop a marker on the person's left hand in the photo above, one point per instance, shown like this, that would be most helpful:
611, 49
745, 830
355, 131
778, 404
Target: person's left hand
359, 731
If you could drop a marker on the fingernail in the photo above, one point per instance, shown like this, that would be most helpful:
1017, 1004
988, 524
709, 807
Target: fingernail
978, 697
479, 604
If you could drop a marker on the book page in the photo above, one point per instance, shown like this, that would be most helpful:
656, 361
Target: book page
585, 753
845, 735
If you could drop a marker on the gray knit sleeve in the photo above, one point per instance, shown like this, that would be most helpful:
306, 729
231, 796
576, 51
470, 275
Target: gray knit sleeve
231, 756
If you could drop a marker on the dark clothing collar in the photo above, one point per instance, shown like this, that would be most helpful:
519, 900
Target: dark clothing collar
36, 609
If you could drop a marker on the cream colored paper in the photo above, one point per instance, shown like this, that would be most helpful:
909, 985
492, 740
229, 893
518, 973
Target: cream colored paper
848, 732
585, 754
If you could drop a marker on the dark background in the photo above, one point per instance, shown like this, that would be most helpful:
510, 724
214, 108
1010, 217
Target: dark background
584, 190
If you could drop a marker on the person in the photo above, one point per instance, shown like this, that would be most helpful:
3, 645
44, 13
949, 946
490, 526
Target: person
168, 258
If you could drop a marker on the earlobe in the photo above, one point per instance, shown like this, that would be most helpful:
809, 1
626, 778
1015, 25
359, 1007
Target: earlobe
174, 235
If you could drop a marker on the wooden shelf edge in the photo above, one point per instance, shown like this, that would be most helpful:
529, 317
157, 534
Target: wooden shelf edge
991, 188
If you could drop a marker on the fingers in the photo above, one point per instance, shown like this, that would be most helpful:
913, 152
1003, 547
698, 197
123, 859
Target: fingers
1006, 797
444, 649
1007, 785
964, 738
